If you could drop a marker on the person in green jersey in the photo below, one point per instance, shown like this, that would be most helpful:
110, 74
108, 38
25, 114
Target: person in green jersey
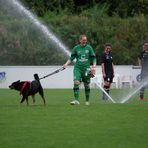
85, 61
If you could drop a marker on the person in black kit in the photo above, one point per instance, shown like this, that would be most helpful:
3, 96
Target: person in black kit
143, 61
107, 68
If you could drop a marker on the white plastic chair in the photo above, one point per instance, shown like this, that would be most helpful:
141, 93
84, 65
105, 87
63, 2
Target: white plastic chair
126, 79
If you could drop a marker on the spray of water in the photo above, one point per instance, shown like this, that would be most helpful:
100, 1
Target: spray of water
100, 87
48, 33
142, 84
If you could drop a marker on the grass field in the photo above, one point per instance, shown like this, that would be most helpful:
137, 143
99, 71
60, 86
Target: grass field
60, 125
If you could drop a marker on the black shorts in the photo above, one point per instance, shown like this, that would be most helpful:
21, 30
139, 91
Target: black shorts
109, 77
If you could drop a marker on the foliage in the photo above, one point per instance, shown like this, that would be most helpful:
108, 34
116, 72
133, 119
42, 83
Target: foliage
121, 33
122, 8
23, 44
40, 7
127, 8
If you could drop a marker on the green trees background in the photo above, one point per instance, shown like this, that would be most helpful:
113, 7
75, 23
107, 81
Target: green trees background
124, 24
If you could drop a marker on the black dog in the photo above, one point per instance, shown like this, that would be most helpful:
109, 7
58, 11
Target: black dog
27, 88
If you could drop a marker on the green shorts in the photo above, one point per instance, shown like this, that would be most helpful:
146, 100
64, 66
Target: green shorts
80, 74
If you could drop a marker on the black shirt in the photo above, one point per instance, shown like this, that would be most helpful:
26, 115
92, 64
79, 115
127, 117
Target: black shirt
107, 59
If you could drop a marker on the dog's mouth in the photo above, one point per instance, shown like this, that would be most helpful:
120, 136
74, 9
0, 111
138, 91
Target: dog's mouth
11, 87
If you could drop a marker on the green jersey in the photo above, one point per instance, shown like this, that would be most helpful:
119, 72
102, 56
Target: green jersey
84, 55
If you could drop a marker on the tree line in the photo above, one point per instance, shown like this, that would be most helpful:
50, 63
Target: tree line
102, 21
121, 8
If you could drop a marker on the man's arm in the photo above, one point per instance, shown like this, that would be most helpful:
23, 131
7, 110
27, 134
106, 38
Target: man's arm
113, 69
72, 57
103, 66
103, 70
67, 63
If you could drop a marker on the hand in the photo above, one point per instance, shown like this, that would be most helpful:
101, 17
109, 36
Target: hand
65, 66
104, 75
113, 75
92, 71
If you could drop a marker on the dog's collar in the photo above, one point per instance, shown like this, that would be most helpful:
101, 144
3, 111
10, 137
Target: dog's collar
23, 86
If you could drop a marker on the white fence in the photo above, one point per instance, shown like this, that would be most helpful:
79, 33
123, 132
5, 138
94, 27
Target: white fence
63, 79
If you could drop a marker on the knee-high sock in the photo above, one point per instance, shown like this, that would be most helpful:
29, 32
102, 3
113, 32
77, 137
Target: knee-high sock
76, 91
106, 88
87, 91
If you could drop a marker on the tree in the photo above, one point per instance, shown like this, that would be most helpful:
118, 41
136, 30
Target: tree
127, 7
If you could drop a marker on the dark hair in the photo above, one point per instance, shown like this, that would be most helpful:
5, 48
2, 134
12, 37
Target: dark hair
107, 44
145, 42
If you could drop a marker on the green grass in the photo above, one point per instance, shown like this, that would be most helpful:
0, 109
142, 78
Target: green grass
60, 125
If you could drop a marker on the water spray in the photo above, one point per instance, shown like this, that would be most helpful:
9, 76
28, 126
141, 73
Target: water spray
105, 92
42, 27
142, 84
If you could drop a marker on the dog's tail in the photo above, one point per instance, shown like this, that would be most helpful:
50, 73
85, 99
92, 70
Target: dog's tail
36, 77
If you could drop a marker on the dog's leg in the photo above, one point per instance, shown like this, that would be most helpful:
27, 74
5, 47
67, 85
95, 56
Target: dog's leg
42, 95
27, 100
23, 99
33, 98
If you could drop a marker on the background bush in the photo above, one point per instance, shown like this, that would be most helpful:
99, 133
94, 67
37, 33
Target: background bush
23, 44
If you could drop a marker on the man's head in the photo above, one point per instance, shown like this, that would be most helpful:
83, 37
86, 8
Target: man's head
145, 46
83, 40
107, 47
